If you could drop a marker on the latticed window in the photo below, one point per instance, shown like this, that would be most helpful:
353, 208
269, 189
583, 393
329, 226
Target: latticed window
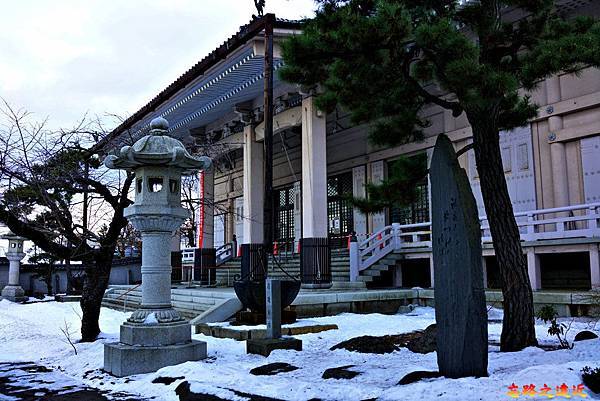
284, 212
417, 212
339, 209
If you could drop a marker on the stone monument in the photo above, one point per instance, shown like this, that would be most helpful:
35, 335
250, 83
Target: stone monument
460, 310
273, 340
13, 291
155, 335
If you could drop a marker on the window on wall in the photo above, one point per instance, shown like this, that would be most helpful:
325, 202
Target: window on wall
284, 218
340, 214
418, 211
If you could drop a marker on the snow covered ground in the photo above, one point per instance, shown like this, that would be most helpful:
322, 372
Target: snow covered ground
32, 333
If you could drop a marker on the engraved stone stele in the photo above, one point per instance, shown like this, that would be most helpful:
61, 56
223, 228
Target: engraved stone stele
460, 310
155, 335
13, 290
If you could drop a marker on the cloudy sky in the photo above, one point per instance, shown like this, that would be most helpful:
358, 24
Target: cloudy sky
63, 58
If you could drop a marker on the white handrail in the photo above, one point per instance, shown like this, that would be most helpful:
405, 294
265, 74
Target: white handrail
366, 253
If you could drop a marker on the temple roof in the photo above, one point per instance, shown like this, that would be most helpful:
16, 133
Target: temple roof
229, 75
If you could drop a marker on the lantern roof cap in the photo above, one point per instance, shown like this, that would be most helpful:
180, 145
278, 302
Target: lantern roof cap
157, 149
12, 237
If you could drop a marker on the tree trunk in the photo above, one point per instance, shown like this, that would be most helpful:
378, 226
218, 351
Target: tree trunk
518, 326
48, 282
94, 286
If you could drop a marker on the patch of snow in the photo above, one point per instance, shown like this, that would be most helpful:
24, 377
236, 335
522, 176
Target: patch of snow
31, 332
151, 319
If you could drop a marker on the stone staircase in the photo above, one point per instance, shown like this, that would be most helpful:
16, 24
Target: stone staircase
373, 272
340, 268
188, 302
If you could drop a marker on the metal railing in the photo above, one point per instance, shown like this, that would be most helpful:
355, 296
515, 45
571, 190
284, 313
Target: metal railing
577, 221
225, 253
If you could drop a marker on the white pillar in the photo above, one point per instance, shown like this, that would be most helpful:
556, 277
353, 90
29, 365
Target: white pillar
431, 270
533, 268
359, 191
594, 267
253, 188
314, 171
206, 216
557, 149
315, 256
377, 174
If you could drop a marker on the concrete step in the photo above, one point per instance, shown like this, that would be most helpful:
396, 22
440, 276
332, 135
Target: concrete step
348, 285
371, 272
365, 279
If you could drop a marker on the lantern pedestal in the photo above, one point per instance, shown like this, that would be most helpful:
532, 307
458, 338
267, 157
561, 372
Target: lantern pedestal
146, 348
14, 293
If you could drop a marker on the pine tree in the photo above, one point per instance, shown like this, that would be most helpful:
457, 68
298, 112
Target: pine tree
385, 60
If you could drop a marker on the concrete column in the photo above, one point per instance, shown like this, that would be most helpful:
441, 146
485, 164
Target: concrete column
254, 258
533, 268
359, 191
484, 266
594, 267
314, 171
253, 188
557, 149
315, 255
206, 238
376, 175
397, 275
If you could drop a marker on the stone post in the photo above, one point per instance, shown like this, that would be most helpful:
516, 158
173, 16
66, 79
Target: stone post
273, 294
155, 335
13, 291
273, 339
354, 258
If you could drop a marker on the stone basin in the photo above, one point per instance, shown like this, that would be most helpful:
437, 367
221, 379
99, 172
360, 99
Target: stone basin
252, 293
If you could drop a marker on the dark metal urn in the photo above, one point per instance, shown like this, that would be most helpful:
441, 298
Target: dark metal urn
252, 294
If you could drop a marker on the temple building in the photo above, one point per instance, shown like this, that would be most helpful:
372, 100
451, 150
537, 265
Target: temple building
552, 169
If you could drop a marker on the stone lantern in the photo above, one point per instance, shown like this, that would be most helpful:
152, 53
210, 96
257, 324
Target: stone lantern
13, 291
155, 335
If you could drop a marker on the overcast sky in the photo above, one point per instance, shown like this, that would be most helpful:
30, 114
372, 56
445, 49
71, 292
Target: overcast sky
63, 58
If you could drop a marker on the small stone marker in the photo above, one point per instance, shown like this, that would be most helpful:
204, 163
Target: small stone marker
273, 294
273, 313
460, 310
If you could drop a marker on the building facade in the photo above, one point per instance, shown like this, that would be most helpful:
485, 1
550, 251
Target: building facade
552, 169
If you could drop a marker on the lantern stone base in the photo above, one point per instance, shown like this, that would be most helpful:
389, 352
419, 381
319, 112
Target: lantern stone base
146, 348
125, 360
14, 293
